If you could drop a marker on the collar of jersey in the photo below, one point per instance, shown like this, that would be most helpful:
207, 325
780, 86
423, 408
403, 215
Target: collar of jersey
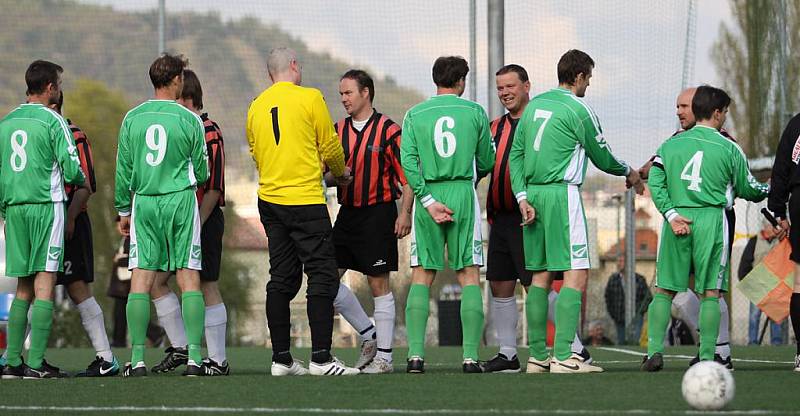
39, 104
162, 101
564, 90
705, 127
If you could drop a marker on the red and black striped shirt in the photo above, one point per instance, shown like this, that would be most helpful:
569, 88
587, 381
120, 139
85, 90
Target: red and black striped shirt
501, 197
216, 161
87, 162
373, 156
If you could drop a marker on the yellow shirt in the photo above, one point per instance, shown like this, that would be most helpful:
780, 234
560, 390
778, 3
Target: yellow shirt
291, 133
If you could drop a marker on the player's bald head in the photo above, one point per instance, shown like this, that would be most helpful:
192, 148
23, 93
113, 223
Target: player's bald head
280, 60
687, 94
683, 108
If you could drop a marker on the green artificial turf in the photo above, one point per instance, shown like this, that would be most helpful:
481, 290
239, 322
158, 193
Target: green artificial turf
769, 385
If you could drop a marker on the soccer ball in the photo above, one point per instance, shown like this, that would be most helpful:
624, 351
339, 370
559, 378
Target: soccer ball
708, 385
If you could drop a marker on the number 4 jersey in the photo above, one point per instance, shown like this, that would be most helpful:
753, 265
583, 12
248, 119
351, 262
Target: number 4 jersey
701, 168
37, 155
445, 138
161, 150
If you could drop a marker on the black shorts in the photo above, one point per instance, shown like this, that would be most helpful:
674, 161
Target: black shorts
78, 254
211, 242
506, 260
794, 220
364, 239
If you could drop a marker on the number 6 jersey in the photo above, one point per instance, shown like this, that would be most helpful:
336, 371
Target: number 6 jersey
37, 155
161, 150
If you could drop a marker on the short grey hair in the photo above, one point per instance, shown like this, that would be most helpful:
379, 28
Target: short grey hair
279, 60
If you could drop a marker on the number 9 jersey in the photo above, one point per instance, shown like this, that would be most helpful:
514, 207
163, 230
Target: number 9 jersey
162, 150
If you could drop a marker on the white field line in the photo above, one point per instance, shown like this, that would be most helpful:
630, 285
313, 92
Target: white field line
315, 410
688, 357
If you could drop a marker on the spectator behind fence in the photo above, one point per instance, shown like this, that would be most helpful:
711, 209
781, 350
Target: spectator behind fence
597, 334
615, 302
755, 250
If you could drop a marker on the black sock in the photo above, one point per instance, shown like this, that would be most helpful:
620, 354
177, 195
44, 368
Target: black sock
794, 312
283, 357
278, 320
321, 356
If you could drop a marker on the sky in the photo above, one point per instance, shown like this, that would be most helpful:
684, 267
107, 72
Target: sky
638, 47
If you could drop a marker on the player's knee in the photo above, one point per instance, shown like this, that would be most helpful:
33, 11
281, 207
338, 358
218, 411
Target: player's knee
78, 291
379, 285
503, 289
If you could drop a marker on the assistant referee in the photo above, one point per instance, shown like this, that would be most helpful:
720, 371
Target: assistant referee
290, 132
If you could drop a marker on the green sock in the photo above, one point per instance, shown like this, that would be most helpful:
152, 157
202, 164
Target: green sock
536, 313
471, 320
417, 309
138, 310
17, 324
709, 327
568, 311
41, 322
658, 315
194, 320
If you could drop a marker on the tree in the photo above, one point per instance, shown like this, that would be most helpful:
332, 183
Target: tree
747, 58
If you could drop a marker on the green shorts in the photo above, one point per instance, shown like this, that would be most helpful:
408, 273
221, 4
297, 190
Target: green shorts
462, 237
558, 238
165, 232
704, 250
34, 238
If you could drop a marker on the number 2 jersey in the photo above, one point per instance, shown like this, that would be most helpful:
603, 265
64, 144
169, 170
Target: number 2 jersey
701, 168
556, 133
37, 156
162, 149
445, 138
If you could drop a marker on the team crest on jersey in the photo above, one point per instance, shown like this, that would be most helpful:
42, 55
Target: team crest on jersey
54, 253
796, 151
580, 251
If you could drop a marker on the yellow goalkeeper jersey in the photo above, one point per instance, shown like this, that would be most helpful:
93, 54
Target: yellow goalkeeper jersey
291, 135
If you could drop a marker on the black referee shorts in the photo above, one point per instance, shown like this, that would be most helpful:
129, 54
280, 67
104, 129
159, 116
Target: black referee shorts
78, 254
364, 239
794, 220
299, 238
506, 260
211, 243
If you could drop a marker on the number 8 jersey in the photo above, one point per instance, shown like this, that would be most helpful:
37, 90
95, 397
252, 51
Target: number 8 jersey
37, 155
161, 150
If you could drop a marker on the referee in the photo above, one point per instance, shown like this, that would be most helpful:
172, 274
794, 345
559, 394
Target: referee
290, 131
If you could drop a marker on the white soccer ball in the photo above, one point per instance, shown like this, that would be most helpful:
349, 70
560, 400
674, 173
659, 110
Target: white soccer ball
708, 385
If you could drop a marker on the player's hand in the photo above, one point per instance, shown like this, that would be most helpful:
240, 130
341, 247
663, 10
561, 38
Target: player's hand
633, 180
403, 225
527, 211
782, 230
680, 225
345, 179
644, 171
330, 180
440, 213
124, 226
70, 229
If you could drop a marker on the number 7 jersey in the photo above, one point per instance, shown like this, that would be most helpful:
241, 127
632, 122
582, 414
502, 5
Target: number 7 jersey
161, 150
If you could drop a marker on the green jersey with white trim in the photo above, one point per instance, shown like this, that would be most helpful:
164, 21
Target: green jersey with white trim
37, 155
161, 150
445, 138
555, 134
701, 168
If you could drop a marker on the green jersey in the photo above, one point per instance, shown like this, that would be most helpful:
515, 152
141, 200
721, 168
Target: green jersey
37, 155
161, 150
555, 134
701, 168
445, 138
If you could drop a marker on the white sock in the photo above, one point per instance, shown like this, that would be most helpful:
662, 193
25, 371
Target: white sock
686, 307
384, 325
552, 297
216, 328
347, 304
577, 345
724, 337
168, 309
504, 318
95, 326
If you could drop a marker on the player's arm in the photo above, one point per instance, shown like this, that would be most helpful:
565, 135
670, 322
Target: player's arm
516, 168
402, 226
251, 138
81, 195
600, 153
216, 180
658, 189
486, 153
124, 171
745, 185
199, 153
783, 169
409, 160
328, 143
66, 153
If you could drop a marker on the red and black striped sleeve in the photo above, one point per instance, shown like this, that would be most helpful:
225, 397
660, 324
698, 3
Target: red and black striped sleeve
85, 155
393, 139
216, 159
501, 197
